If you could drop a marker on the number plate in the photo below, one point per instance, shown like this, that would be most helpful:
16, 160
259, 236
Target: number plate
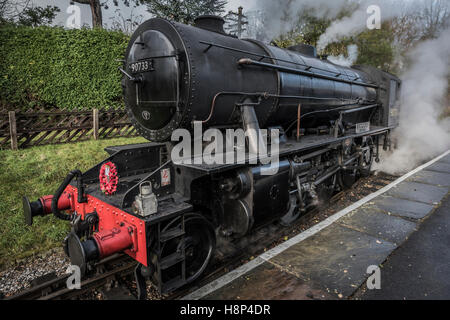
142, 66
362, 127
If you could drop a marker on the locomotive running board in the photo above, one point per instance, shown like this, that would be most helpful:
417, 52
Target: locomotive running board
290, 147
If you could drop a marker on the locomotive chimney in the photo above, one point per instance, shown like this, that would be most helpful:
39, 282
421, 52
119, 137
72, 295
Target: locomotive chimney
210, 23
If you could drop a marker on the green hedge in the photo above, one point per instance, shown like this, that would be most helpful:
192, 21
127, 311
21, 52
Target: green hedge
49, 67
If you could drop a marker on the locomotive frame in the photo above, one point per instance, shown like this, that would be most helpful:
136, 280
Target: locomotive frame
194, 204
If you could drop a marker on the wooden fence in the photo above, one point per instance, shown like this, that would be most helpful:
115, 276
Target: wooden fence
26, 129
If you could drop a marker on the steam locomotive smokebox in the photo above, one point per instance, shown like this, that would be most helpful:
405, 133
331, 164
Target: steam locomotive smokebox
210, 23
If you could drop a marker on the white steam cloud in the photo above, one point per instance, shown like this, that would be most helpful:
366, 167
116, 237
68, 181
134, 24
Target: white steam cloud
281, 16
348, 61
358, 20
421, 135
338, 29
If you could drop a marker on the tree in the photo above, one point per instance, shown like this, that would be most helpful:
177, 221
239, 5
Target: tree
10, 10
375, 47
418, 21
311, 23
96, 10
435, 17
184, 11
24, 13
307, 30
34, 17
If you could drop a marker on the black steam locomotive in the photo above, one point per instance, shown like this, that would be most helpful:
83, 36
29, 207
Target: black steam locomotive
330, 121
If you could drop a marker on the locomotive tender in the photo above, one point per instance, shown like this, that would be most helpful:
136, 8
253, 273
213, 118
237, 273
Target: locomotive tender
331, 121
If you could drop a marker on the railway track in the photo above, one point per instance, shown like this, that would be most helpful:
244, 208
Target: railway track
106, 271
118, 269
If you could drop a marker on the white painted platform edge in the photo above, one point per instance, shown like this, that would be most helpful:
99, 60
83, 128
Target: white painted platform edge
238, 272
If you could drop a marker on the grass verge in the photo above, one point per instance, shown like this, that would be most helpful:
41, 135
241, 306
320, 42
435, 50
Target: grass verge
35, 172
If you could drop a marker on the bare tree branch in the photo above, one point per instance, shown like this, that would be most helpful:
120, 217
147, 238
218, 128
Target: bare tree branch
126, 25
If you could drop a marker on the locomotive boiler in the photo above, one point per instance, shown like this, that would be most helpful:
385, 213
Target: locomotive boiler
330, 121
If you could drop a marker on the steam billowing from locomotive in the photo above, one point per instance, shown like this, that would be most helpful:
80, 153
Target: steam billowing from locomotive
422, 133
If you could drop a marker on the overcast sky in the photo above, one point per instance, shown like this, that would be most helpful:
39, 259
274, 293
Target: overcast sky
108, 14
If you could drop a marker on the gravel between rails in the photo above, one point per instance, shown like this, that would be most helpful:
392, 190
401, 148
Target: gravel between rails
19, 277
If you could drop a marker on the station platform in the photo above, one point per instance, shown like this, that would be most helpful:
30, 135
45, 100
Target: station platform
403, 228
